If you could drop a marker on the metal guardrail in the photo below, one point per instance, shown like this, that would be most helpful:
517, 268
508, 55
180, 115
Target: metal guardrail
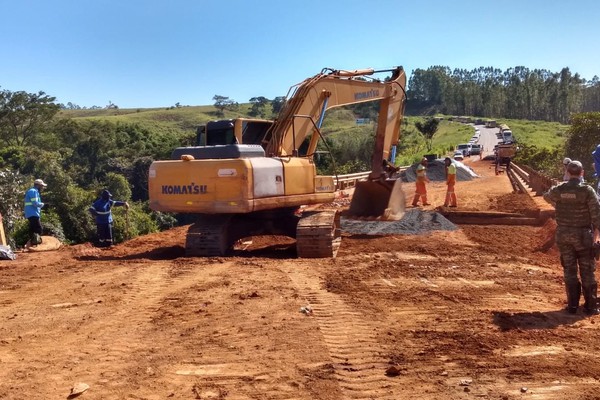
537, 181
518, 178
349, 180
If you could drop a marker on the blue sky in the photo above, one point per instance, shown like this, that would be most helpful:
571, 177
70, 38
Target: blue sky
148, 53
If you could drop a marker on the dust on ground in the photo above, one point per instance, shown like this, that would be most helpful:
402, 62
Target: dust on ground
471, 313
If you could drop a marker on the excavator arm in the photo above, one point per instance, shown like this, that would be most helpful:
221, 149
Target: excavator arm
303, 114
305, 109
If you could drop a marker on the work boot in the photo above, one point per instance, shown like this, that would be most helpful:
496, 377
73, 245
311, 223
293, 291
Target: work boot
37, 239
573, 295
591, 300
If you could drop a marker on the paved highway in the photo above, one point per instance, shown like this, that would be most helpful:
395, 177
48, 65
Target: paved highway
487, 139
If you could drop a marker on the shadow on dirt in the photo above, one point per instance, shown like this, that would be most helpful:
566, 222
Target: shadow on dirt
535, 320
277, 251
160, 253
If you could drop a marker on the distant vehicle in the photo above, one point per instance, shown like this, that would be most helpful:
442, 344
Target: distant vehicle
476, 150
458, 155
465, 148
504, 154
505, 134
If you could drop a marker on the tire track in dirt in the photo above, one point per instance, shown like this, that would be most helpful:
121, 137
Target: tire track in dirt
359, 361
240, 327
149, 285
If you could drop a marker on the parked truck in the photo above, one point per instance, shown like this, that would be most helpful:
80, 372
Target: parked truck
504, 154
506, 134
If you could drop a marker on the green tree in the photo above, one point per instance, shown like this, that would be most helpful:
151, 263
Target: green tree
12, 189
139, 178
582, 138
428, 130
223, 103
118, 186
277, 104
259, 105
23, 116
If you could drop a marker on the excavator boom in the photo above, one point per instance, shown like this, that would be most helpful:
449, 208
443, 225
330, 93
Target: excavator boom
304, 111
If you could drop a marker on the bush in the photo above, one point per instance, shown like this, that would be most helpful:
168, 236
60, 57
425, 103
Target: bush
163, 220
139, 223
11, 200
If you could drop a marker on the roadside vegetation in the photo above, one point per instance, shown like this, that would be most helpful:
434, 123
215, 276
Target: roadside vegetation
80, 151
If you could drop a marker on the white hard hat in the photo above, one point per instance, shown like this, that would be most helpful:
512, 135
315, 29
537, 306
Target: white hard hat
566, 161
39, 182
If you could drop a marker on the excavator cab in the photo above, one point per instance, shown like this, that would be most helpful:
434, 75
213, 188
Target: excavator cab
232, 131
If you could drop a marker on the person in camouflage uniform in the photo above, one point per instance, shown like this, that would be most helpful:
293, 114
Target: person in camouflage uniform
577, 216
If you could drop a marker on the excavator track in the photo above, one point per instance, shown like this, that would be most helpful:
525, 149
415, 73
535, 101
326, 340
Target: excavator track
318, 235
208, 236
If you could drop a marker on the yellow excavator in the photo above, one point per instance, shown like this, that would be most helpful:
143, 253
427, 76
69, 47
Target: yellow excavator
250, 177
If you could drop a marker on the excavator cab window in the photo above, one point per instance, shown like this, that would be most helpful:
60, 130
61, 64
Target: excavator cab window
218, 133
222, 132
253, 132
201, 136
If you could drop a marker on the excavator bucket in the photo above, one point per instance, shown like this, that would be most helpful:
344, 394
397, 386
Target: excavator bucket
378, 199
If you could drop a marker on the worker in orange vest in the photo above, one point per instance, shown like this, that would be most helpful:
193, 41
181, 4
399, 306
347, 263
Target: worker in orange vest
421, 188
450, 181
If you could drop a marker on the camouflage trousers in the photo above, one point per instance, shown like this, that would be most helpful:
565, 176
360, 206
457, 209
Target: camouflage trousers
575, 246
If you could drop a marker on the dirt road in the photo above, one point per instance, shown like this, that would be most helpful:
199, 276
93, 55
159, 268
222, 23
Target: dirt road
472, 313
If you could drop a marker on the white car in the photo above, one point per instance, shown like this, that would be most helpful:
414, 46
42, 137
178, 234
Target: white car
465, 148
458, 155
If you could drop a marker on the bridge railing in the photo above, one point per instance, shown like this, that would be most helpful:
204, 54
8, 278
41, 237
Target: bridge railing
537, 181
348, 181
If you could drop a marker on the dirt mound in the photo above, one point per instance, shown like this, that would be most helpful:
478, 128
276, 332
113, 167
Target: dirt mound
546, 241
520, 203
164, 245
49, 243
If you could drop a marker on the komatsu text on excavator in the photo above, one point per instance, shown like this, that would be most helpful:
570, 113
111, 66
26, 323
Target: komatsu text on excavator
248, 177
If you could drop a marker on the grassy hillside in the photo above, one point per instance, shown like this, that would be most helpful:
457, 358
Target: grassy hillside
339, 125
542, 134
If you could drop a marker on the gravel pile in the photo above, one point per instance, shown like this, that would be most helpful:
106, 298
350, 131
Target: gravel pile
436, 171
414, 222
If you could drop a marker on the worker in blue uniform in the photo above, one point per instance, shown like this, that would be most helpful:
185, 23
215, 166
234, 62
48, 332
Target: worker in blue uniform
33, 211
101, 210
